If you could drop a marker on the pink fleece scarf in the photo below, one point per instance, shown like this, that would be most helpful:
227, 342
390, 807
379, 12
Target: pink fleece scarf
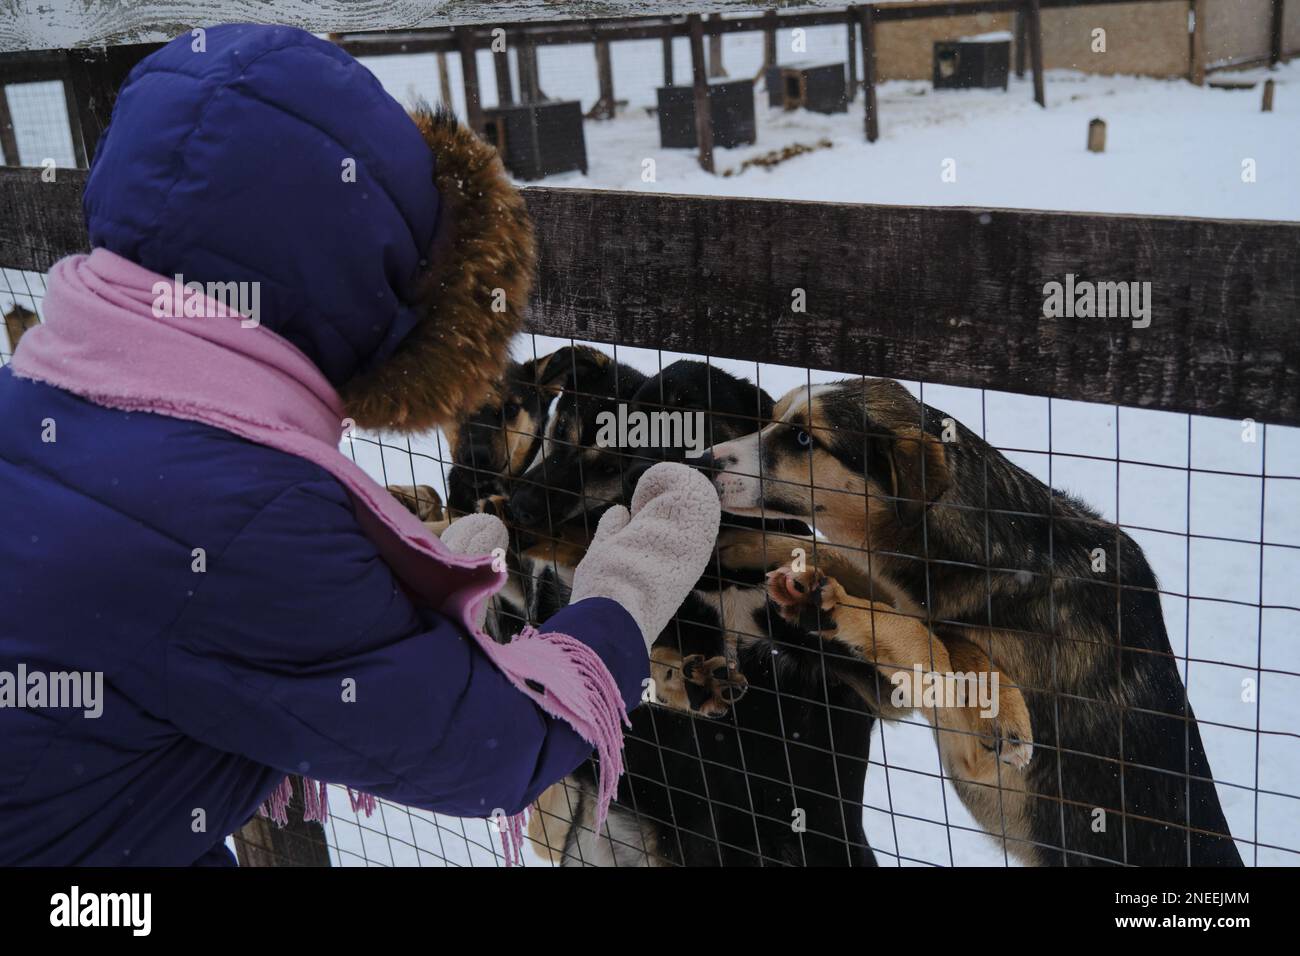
102, 340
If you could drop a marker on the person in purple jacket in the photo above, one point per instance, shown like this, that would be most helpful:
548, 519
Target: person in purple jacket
224, 163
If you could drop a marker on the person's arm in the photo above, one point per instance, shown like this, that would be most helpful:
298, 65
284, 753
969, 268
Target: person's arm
299, 650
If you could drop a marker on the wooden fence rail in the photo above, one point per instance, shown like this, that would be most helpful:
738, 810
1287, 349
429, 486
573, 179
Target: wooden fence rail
942, 295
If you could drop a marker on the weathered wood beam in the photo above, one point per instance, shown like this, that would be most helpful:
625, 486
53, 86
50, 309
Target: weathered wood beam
949, 296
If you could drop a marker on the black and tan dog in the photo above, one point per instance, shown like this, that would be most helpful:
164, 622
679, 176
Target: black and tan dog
952, 533
792, 713
489, 448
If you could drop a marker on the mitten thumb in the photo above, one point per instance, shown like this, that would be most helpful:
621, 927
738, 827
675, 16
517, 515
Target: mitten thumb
476, 534
612, 522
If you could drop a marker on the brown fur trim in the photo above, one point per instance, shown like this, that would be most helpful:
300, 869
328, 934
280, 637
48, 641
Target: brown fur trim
448, 364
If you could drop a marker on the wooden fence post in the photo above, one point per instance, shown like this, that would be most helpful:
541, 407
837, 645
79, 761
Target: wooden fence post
530, 86
1196, 71
769, 42
501, 64
469, 73
716, 69
1275, 32
1035, 28
703, 108
1022, 42
444, 80
851, 23
867, 26
668, 53
604, 108
8, 141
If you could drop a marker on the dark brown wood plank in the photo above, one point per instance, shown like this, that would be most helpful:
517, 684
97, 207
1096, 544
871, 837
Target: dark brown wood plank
951, 296
42, 220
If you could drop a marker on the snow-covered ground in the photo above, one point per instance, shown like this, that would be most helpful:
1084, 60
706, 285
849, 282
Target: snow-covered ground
1171, 148
1226, 532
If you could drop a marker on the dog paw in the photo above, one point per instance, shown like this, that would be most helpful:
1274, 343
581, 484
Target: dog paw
420, 500
713, 684
1010, 735
807, 599
976, 744
708, 686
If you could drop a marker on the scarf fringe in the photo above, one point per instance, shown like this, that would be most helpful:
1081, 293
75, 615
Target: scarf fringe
315, 802
594, 710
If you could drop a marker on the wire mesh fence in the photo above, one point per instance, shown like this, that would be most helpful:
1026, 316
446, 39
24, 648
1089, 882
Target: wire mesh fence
755, 762
770, 734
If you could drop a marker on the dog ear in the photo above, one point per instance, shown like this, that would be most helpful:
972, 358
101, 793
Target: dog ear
918, 471
567, 367
549, 372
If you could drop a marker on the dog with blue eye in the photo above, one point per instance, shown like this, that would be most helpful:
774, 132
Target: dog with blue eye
1009, 576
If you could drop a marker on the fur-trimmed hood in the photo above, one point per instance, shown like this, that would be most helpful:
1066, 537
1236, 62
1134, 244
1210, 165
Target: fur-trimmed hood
395, 254
471, 298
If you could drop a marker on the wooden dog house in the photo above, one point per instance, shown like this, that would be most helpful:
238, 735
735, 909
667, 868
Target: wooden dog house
538, 139
731, 103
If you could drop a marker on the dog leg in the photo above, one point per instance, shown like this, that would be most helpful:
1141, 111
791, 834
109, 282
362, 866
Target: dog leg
972, 740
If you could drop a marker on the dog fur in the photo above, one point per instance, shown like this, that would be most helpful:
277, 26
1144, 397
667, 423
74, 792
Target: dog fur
992, 559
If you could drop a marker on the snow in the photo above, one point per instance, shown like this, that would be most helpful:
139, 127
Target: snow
1171, 148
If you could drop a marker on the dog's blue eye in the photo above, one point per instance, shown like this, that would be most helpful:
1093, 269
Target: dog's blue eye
803, 438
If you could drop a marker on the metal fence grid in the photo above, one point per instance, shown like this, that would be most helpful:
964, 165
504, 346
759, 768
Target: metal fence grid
1214, 504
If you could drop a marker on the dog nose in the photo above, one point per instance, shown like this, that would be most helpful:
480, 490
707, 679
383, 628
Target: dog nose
705, 461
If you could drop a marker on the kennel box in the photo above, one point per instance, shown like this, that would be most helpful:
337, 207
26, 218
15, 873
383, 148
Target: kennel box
972, 62
731, 103
820, 87
538, 139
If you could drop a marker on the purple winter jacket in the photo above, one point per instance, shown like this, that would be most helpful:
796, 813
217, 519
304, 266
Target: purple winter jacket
216, 685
